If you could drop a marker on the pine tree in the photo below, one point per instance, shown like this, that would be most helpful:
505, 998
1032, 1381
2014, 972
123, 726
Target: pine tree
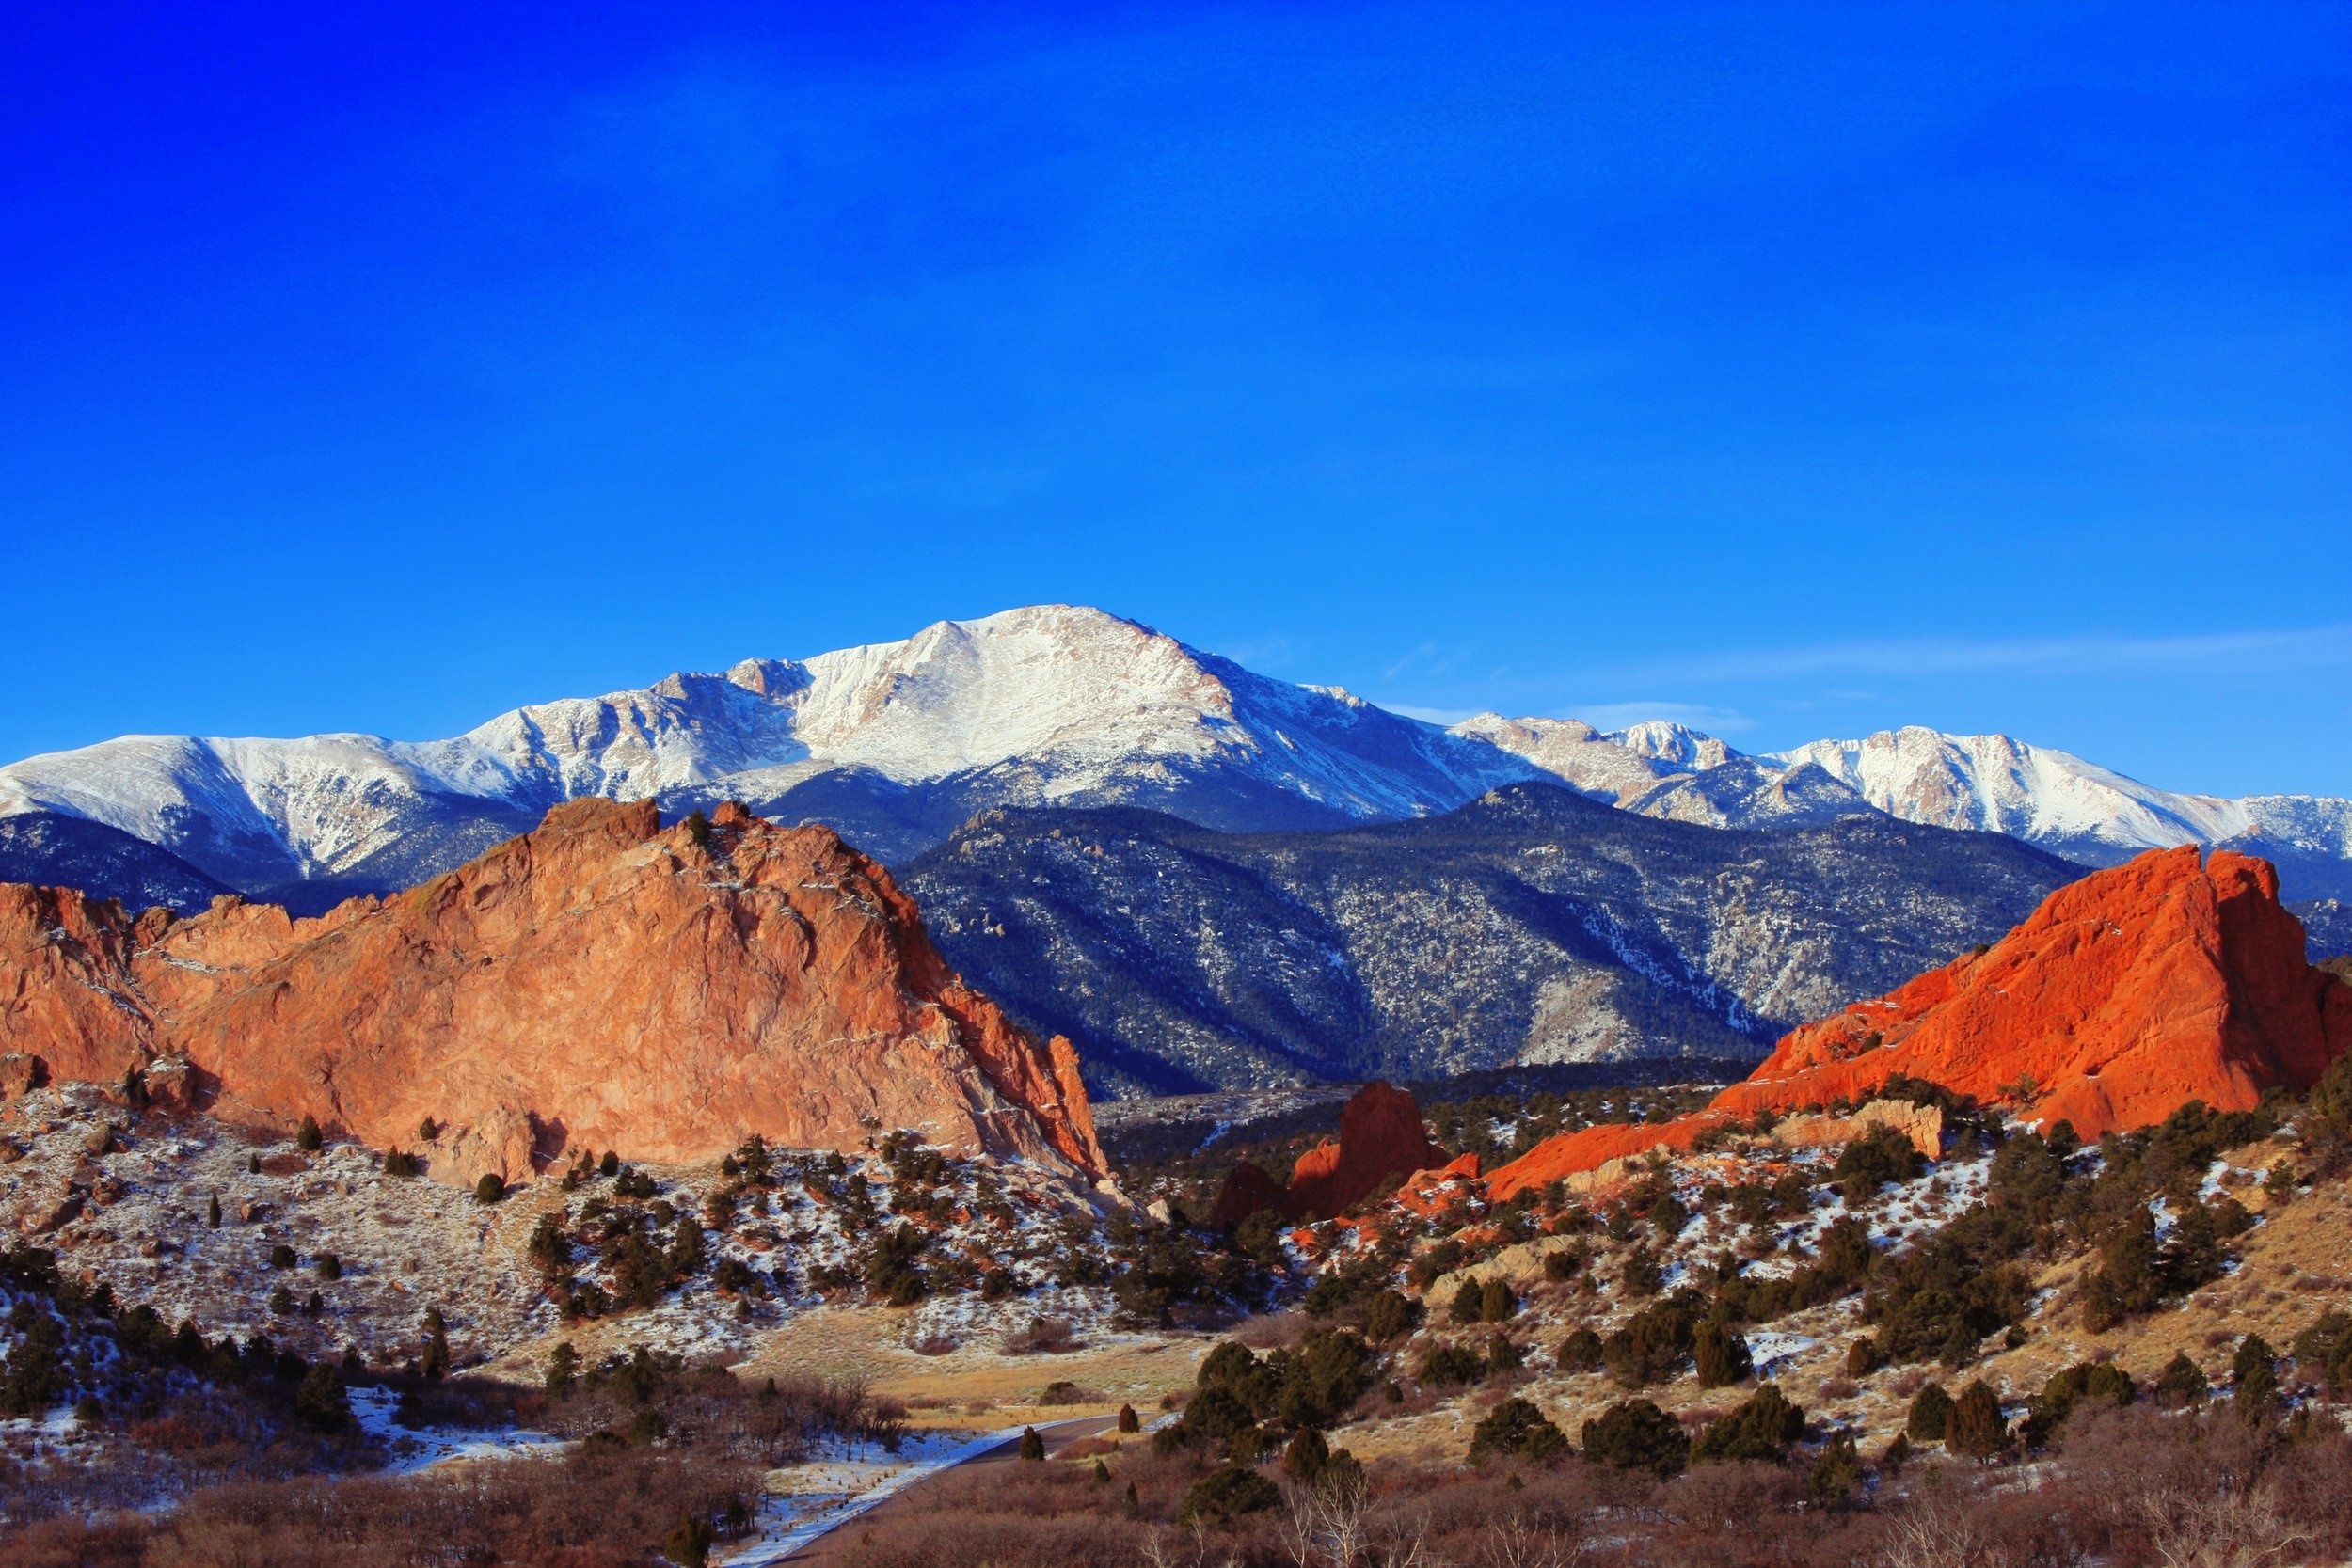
212, 1211
1977, 1426
1930, 1414
689, 1541
307, 1138
1304, 1460
435, 1343
2182, 1382
563, 1368
1497, 1302
1128, 1420
1032, 1446
1721, 1355
1101, 1474
1470, 1300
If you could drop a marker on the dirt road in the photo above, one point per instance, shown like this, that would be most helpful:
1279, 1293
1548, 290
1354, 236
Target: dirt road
834, 1545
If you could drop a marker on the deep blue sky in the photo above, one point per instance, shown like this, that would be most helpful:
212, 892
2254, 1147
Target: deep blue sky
1802, 369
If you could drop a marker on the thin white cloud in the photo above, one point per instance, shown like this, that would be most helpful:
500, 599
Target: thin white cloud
2220, 653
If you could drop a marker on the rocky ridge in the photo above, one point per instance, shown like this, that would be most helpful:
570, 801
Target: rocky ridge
2128, 995
599, 982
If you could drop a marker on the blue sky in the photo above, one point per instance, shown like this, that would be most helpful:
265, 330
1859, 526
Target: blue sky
1798, 370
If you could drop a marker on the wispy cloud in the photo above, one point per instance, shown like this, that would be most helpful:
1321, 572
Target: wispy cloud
2217, 652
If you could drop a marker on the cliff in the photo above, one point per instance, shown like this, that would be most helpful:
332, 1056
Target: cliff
2127, 994
601, 982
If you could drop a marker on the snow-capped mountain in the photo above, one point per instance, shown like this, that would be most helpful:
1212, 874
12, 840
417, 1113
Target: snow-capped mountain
2078, 809
895, 742
898, 743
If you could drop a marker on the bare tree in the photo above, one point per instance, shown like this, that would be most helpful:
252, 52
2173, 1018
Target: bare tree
1517, 1542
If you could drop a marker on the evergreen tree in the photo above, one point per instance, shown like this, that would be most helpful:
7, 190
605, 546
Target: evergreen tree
1635, 1435
1304, 1460
1580, 1352
1391, 1315
2182, 1382
490, 1189
1721, 1356
1470, 1300
306, 1136
1032, 1446
1497, 1302
689, 1541
321, 1401
435, 1343
1977, 1428
212, 1211
1128, 1420
1837, 1474
1760, 1429
1930, 1414
1517, 1430
563, 1368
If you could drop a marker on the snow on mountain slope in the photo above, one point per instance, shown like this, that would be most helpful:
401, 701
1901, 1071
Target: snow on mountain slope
898, 743
1048, 703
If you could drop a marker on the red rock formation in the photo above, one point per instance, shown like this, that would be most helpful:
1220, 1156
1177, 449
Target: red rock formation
2128, 995
1381, 1136
599, 982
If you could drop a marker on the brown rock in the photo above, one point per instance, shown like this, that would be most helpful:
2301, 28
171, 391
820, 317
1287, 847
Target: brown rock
20, 1074
1382, 1138
599, 982
171, 1084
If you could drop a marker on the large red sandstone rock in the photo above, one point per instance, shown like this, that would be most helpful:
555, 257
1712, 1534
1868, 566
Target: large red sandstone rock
2128, 995
1381, 1136
597, 982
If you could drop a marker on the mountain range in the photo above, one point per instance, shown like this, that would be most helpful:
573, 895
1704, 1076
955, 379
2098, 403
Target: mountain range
897, 744
1532, 925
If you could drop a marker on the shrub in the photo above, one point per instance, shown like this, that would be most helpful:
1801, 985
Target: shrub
283, 1256
1497, 1303
1760, 1429
1517, 1430
1443, 1366
321, 1401
212, 1211
1977, 1428
1128, 1420
307, 1138
330, 1266
563, 1368
1503, 1354
1307, 1453
1930, 1414
1229, 1493
1470, 1302
1390, 1316
1862, 1357
2181, 1384
1641, 1275
1032, 1446
490, 1189
611, 1163
1580, 1352
401, 1164
1721, 1356
1837, 1474
688, 1543
1635, 1435
1561, 1265
428, 1130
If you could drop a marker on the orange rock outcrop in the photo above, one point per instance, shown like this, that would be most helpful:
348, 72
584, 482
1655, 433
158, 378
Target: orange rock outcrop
601, 982
2125, 995
1381, 1137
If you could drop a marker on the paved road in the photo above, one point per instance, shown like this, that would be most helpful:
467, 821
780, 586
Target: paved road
834, 1547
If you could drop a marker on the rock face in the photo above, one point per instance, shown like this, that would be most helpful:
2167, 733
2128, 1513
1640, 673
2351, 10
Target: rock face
601, 982
2167, 979
1381, 1136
